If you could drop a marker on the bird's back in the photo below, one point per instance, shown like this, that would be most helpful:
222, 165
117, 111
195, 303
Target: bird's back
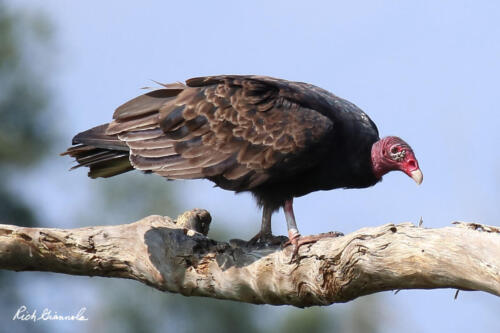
245, 133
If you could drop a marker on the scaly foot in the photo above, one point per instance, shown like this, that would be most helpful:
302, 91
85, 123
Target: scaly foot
295, 239
260, 240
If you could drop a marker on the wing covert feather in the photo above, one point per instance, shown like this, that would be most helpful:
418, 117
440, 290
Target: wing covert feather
234, 130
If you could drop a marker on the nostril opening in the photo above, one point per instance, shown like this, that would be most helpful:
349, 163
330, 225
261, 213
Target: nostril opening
412, 164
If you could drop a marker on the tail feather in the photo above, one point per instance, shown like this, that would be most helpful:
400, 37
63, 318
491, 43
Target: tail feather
97, 137
105, 155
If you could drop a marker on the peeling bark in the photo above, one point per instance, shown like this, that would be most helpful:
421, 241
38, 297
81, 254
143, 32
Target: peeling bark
176, 256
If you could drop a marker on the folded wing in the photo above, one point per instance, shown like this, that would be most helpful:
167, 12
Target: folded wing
235, 130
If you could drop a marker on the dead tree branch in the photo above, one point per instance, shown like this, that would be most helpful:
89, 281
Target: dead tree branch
176, 256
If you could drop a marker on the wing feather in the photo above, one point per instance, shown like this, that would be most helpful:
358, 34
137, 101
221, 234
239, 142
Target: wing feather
141, 135
231, 129
145, 104
155, 152
142, 123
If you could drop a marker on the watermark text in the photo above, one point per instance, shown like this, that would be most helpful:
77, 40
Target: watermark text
24, 314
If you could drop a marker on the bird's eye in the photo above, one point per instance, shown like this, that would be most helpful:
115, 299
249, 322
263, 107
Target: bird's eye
394, 150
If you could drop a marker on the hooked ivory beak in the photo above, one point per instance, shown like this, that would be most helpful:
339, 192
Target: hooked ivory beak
417, 176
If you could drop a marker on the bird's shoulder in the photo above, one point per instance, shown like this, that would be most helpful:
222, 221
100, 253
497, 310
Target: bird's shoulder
302, 94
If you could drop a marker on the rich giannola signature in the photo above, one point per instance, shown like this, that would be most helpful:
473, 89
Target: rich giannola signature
24, 314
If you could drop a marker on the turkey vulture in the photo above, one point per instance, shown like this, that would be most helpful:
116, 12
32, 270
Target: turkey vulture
274, 138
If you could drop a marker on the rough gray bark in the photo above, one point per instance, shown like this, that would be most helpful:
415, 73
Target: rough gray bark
177, 256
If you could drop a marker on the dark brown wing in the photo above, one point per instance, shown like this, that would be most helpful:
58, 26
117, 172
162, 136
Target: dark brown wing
234, 130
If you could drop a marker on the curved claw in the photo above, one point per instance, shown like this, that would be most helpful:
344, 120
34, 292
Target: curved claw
297, 241
267, 239
293, 239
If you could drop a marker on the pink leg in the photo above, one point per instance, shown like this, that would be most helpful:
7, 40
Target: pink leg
293, 231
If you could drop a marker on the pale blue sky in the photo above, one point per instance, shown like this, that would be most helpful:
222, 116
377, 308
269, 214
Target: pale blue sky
427, 71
